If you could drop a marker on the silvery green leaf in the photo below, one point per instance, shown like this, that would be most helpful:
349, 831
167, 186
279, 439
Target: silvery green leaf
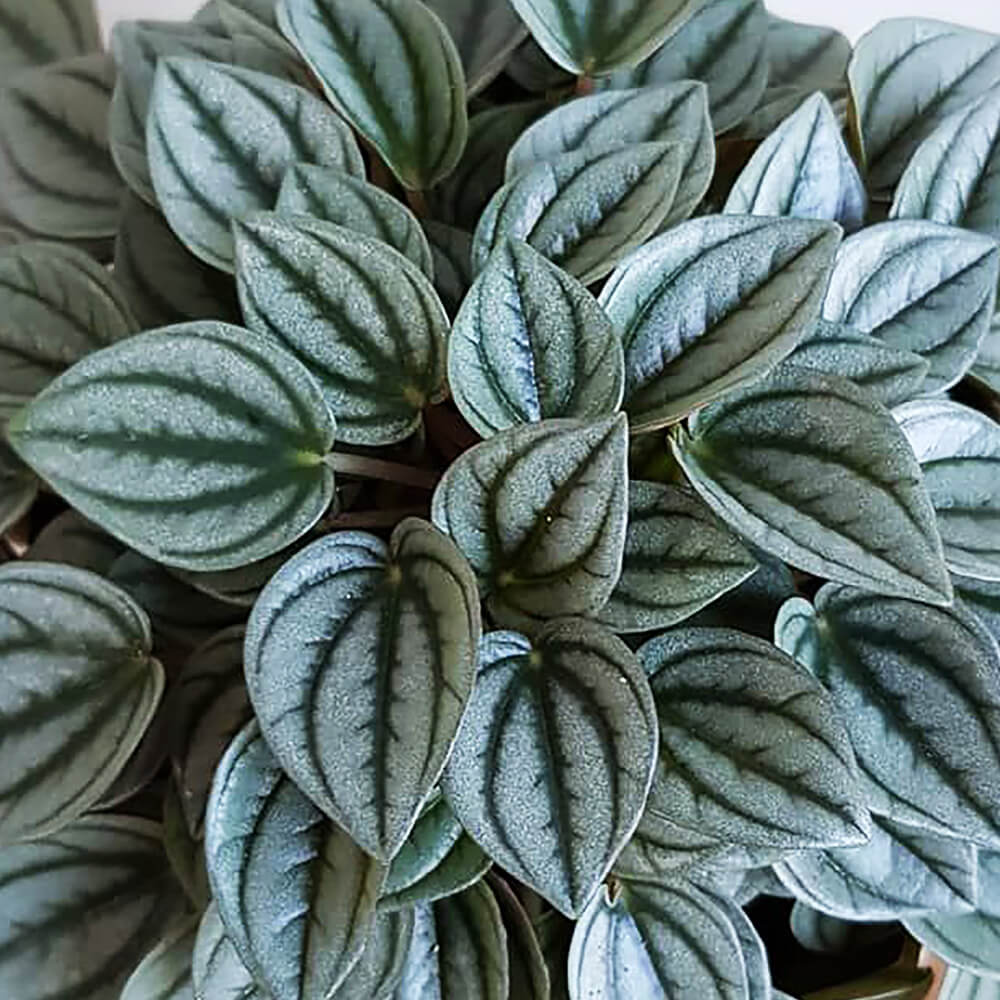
656, 941
584, 212
723, 43
18, 488
463, 866
793, 461
989, 882
377, 973
929, 752
56, 305
392, 70
540, 511
982, 597
458, 951
57, 178
451, 250
752, 752
678, 558
569, 715
256, 18
36, 34
251, 128
73, 540
165, 973
185, 854
986, 367
143, 765
296, 895
353, 636
921, 286
331, 194
530, 343
805, 55
712, 305
217, 970
820, 933
752, 949
891, 374
434, 834
907, 76
529, 977
802, 169
532, 70
363, 319
81, 907
959, 454
901, 871
163, 437
960, 984
970, 941
79, 688
671, 112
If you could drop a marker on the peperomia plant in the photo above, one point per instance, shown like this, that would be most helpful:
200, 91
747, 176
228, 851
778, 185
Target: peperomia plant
498, 500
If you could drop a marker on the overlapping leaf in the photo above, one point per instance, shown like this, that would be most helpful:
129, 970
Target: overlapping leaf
451, 250
377, 973
970, 941
217, 971
18, 488
71, 539
428, 843
805, 55
165, 973
36, 34
529, 977
960, 984
462, 867
752, 949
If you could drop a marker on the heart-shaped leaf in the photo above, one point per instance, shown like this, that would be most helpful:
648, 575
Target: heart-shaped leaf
163, 437
712, 305
250, 128
217, 971
79, 688
296, 895
463, 866
540, 513
363, 319
165, 973
530, 343
36, 34
377, 973
391, 69
970, 941
792, 461
571, 715
18, 488
359, 660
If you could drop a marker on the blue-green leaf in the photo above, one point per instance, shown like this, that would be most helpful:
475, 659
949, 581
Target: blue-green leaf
970, 941
217, 971
960, 984
428, 843
377, 973
805, 55
165, 973
36, 34
463, 866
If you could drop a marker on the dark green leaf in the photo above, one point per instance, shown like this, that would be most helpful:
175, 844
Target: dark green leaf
970, 941
185, 854
18, 488
463, 866
216, 969
35, 34
165, 973
451, 250
529, 977
380, 968
805, 55
532, 70
71, 539
434, 834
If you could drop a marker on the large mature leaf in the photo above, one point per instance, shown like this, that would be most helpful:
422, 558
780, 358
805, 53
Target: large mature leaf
296, 895
352, 636
712, 305
392, 70
363, 319
18, 487
907, 76
813, 470
959, 454
199, 445
571, 716
530, 343
802, 169
724, 44
331, 194
672, 112
671, 941
77, 692
919, 690
921, 286
220, 139
57, 177
982, 597
377, 973
960, 984
56, 305
36, 34
165, 973
584, 212
970, 941
540, 512
217, 970
463, 866
678, 558
81, 907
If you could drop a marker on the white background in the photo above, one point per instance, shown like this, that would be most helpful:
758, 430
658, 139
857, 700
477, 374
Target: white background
853, 17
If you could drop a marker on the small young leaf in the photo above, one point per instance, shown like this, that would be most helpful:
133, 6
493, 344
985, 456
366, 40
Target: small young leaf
434, 834
392, 70
363, 319
570, 715
380, 968
813, 470
540, 513
18, 488
352, 636
36, 34
463, 866
165, 973
970, 941
199, 445
217, 971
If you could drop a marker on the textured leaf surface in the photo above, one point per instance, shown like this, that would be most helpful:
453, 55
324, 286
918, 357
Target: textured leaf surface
352, 637
540, 513
78, 690
806, 55
960, 984
380, 968
530, 343
217, 970
571, 716
392, 70
165, 973
921, 286
970, 942
362, 318
463, 866
163, 437
296, 895
712, 305
434, 834
775, 461
250, 127
32, 35
18, 488
751, 948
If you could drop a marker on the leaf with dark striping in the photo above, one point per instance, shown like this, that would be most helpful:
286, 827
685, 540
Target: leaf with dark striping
377, 973
78, 689
199, 445
960, 984
18, 487
360, 659
250, 128
540, 511
752, 948
165, 973
970, 941
813, 470
570, 717
217, 970
36, 34
295, 894
362, 318
805, 55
